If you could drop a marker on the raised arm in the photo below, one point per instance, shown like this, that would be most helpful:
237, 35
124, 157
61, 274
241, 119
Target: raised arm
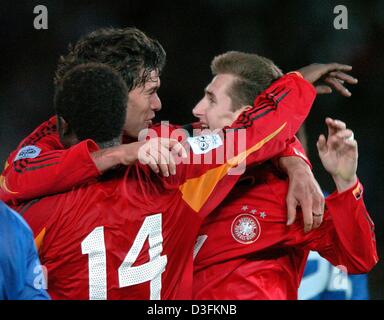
263, 130
304, 190
346, 237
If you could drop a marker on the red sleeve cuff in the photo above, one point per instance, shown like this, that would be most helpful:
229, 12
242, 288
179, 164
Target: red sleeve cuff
53, 120
298, 74
357, 191
293, 149
88, 146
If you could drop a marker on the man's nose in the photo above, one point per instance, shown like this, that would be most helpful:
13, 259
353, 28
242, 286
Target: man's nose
198, 110
156, 103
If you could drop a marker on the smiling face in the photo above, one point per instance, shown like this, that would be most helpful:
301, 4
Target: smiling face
143, 102
215, 109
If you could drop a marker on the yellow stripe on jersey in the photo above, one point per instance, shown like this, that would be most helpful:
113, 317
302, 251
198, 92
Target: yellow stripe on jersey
196, 191
39, 239
3, 184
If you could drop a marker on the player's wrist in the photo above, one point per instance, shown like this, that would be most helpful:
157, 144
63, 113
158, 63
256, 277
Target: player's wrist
108, 158
344, 183
291, 165
128, 154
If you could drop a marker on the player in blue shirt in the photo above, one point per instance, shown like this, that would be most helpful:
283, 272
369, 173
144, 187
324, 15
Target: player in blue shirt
323, 281
21, 275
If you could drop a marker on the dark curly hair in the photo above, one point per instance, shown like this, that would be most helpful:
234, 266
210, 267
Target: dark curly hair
92, 99
129, 51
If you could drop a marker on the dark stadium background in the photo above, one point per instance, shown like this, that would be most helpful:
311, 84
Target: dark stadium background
292, 33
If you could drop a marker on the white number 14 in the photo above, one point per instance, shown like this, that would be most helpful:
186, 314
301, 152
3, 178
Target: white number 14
94, 246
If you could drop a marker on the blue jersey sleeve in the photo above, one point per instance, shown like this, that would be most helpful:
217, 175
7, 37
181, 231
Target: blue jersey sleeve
322, 281
21, 276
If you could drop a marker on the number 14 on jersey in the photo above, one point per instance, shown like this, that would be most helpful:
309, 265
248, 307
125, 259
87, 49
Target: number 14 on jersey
94, 246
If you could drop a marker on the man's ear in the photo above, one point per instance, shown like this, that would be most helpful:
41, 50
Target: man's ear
67, 136
62, 126
241, 110
277, 71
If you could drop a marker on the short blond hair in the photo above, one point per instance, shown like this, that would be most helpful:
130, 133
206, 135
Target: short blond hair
253, 74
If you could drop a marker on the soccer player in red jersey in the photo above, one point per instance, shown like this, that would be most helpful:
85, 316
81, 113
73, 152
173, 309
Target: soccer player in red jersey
40, 166
246, 250
139, 60
186, 189
93, 239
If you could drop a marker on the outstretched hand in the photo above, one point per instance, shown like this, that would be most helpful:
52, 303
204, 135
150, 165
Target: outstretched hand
326, 76
338, 153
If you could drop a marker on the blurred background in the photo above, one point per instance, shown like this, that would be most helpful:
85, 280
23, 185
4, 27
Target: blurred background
292, 33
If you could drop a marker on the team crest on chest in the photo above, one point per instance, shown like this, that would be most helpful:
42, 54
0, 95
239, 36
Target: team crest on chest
245, 228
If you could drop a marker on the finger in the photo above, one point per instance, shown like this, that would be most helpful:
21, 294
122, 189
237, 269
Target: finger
306, 207
321, 144
334, 126
318, 210
323, 89
152, 164
345, 134
338, 124
291, 208
334, 142
178, 148
351, 143
317, 220
343, 77
338, 86
329, 67
144, 156
172, 165
171, 162
175, 146
331, 126
164, 142
163, 160
160, 159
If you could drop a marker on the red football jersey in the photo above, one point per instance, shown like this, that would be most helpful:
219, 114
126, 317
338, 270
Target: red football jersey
40, 166
93, 240
248, 252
